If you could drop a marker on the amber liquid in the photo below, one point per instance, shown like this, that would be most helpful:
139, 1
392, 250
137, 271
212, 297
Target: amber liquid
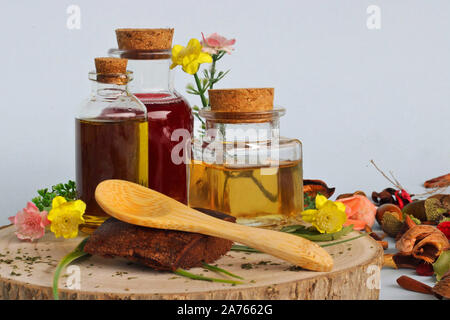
166, 114
257, 196
112, 146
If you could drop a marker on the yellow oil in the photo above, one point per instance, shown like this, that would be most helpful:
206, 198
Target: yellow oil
257, 196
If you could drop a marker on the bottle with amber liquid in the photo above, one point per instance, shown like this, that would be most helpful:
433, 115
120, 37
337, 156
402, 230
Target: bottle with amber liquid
149, 57
242, 166
111, 134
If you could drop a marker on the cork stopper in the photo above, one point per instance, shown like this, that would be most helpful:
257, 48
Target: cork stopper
241, 100
144, 39
111, 70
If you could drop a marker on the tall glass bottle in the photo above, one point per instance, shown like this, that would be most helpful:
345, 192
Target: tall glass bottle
111, 135
149, 57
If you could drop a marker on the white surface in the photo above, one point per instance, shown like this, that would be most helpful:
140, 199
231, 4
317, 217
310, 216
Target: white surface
352, 94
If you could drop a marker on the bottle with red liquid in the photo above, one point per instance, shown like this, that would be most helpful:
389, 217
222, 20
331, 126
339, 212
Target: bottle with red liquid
149, 57
111, 134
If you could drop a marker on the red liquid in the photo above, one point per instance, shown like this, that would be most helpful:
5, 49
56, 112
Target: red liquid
166, 114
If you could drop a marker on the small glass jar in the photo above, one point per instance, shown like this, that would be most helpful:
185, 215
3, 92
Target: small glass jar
242, 167
111, 133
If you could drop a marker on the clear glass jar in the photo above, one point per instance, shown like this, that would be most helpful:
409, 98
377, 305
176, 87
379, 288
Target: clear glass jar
167, 111
111, 134
244, 168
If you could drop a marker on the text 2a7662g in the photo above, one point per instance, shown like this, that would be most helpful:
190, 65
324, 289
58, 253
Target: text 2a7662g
246, 309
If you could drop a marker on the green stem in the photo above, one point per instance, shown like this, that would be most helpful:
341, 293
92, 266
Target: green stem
217, 269
200, 90
212, 72
69, 258
192, 276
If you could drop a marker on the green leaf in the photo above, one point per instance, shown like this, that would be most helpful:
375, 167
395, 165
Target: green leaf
442, 264
217, 269
310, 202
69, 258
192, 276
312, 234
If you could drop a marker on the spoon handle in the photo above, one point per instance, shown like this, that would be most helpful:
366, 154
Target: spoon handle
291, 248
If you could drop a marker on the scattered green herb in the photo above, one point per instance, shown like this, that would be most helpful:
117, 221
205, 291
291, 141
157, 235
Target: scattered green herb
247, 266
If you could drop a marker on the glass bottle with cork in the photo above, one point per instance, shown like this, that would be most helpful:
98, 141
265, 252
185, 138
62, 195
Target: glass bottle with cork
111, 134
242, 166
149, 54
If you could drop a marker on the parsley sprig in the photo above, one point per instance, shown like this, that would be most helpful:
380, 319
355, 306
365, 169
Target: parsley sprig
44, 200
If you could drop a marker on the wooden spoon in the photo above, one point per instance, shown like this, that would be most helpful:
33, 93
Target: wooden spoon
139, 205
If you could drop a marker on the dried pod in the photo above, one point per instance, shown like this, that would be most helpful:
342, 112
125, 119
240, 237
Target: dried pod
421, 243
387, 207
348, 195
408, 223
442, 288
314, 187
402, 260
413, 285
431, 247
385, 196
444, 200
388, 261
416, 209
391, 223
438, 182
434, 209
407, 242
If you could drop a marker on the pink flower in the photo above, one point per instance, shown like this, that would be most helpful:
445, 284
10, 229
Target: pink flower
360, 211
214, 43
30, 223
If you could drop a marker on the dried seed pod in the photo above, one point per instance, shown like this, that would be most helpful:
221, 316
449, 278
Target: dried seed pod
387, 207
442, 288
314, 187
438, 182
391, 223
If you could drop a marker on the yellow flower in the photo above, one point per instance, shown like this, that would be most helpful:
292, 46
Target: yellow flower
66, 217
328, 217
189, 57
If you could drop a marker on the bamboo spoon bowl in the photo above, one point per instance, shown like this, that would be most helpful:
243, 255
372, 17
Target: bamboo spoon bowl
135, 204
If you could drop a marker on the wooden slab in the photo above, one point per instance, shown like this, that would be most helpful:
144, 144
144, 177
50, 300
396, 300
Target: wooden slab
26, 272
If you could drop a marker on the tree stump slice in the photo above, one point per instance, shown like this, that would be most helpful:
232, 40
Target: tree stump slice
26, 272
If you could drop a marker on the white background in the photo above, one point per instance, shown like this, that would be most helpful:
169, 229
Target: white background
352, 94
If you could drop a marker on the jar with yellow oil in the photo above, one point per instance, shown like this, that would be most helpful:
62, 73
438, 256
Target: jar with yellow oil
241, 165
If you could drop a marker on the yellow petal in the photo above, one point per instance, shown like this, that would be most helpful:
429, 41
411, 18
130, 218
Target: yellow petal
79, 205
204, 58
340, 206
191, 68
309, 215
320, 201
194, 45
176, 50
58, 201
